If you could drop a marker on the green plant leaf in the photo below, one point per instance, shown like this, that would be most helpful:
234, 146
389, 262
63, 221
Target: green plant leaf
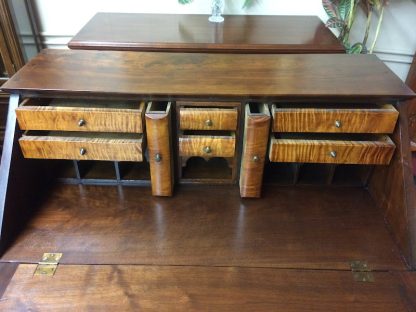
344, 8
335, 22
184, 1
330, 7
357, 48
248, 3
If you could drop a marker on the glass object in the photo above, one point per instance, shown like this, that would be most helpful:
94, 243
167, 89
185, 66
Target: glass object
216, 8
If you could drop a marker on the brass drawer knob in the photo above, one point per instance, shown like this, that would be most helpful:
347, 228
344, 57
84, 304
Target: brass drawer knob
208, 123
256, 158
207, 150
82, 151
158, 157
333, 154
338, 123
81, 123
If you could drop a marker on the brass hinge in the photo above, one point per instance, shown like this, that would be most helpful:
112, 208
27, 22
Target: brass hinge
361, 271
48, 265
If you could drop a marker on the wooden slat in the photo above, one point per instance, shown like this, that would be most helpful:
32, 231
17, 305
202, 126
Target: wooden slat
150, 288
195, 145
377, 152
129, 74
69, 147
197, 118
377, 120
159, 136
291, 227
256, 137
60, 118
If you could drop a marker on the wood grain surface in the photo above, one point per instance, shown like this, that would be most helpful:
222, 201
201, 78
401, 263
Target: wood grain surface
150, 288
291, 227
207, 145
393, 190
159, 142
67, 118
69, 145
377, 152
256, 137
133, 74
208, 118
194, 33
376, 120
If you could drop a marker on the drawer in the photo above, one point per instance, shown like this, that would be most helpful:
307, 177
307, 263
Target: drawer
81, 115
376, 150
198, 118
222, 145
82, 146
367, 119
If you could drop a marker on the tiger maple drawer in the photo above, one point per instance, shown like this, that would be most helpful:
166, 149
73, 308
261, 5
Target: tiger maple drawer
195, 144
207, 118
81, 115
82, 146
336, 119
375, 150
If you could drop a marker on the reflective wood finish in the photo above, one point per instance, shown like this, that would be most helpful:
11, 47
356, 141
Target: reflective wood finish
194, 33
207, 145
81, 115
206, 75
304, 150
153, 288
379, 119
197, 118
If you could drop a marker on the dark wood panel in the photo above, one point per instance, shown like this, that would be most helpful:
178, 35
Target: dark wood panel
150, 288
291, 227
194, 33
132, 74
7, 271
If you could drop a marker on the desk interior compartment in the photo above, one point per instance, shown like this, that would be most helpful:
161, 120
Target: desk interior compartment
339, 118
331, 148
81, 115
208, 118
82, 146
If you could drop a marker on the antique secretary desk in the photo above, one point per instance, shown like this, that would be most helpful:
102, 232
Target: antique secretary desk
279, 160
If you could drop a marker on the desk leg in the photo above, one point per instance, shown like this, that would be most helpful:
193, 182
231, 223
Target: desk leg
21, 181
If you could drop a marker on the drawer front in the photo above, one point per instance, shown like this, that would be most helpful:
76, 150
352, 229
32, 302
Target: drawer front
256, 137
80, 119
208, 118
382, 120
207, 146
329, 151
79, 148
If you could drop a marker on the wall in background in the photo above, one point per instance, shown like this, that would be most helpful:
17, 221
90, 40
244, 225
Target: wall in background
60, 20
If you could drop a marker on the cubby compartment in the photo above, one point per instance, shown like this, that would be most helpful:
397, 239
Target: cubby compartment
213, 169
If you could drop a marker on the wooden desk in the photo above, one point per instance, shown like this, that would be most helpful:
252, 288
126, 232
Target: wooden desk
250, 84
194, 33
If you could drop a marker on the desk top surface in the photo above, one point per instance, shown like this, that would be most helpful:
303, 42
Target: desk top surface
194, 33
199, 75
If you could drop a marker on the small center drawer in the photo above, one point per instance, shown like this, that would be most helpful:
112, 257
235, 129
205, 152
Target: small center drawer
206, 118
82, 146
337, 119
195, 144
81, 115
376, 150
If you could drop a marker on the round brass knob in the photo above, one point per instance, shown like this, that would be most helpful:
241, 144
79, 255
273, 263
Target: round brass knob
81, 123
208, 123
158, 157
338, 123
207, 149
82, 151
256, 158
333, 154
